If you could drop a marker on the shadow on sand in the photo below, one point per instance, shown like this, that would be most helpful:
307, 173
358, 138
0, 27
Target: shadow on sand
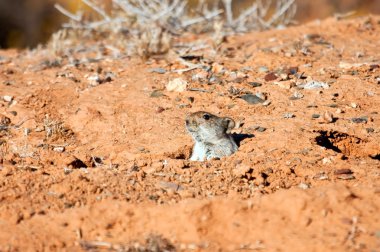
240, 137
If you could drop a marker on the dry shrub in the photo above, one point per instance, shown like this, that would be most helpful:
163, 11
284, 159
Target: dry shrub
55, 129
148, 27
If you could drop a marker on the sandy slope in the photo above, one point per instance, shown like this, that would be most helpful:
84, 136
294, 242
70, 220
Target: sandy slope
303, 183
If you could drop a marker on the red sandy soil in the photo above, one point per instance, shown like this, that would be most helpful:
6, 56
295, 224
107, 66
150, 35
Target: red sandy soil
123, 181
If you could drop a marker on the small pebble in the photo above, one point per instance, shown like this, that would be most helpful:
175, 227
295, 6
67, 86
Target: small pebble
333, 105
215, 80
315, 85
252, 99
370, 130
4, 121
181, 106
246, 69
255, 84
354, 72
67, 170
268, 171
8, 82
157, 70
232, 76
362, 119
260, 129
59, 149
156, 93
262, 69
292, 70
26, 131
303, 186
373, 66
241, 75
353, 105
296, 95
284, 76
328, 117
201, 76
270, 77
311, 106
321, 176
170, 185
346, 176
289, 54
177, 85
289, 115
7, 98
300, 76
261, 95
343, 171
285, 84
94, 80
266, 103
370, 93
109, 77
326, 160
218, 68
160, 109
39, 129
241, 170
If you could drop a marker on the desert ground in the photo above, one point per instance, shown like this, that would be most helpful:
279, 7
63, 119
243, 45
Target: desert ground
94, 153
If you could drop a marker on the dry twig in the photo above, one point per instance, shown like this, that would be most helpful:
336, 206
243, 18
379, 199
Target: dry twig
147, 27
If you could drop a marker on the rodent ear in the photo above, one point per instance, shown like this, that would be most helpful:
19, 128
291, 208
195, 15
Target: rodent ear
229, 124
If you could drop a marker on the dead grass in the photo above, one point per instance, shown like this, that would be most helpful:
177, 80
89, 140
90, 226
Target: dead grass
153, 243
55, 129
147, 28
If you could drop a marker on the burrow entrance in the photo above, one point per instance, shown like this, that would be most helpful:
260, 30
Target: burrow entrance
339, 142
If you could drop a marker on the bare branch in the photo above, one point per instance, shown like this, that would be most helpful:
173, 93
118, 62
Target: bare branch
148, 26
67, 13
202, 19
284, 7
97, 9
228, 8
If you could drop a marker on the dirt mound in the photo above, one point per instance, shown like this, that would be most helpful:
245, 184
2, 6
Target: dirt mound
94, 153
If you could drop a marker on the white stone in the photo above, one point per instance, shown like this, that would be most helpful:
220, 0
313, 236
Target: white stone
7, 98
316, 84
177, 85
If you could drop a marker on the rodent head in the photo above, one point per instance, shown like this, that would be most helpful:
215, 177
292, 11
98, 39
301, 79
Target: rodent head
204, 126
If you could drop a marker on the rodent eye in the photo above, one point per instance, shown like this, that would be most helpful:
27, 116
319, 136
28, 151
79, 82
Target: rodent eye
206, 116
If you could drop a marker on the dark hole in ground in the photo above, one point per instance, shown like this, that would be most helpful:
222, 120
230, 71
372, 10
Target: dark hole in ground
325, 139
180, 156
377, 156
248, 175
240, 137
77, 163
338, 142
265, 177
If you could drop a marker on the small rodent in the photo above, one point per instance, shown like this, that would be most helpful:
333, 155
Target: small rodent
211, 135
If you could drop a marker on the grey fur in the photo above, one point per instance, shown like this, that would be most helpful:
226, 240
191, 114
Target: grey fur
211, 136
